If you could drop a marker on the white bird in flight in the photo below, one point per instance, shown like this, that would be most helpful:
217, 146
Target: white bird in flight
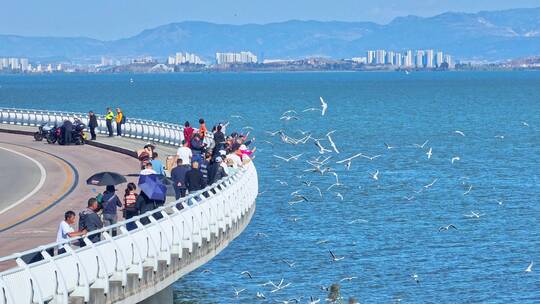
324, 106
334, 257
237, 292
455, 158
421, 146
370, 157
322, 149
429, 153
332, 142
292, 157
375, 175
348, 161
431, 184
459, 132
529, 268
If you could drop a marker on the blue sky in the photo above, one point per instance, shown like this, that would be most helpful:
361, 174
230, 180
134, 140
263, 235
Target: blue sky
113, 19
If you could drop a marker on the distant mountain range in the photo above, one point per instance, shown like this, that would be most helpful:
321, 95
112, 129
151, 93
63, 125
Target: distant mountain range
487, 35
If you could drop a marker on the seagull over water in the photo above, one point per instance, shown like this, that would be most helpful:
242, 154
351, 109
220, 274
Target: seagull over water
529, 268
455, 158
293, 157
421, 146
332, 142
431, 184
334, 257
375, 175
459, 132
348, 161
324, 106
237, 292
445, 228
429, 153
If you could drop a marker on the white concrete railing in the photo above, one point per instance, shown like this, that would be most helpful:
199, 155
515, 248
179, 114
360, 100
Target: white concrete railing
166, 133
56, 279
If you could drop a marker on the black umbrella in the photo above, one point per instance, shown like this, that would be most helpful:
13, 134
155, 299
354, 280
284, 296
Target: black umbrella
106, 179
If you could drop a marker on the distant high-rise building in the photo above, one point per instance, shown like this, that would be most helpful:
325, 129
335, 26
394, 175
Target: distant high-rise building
187, 58
408, 59
171, 60
24, 64
242, 57
380, 57
429, 59
439, 58
398, 59
14, 63
448, 60
370, 58
419, 63
390, 58
49, 68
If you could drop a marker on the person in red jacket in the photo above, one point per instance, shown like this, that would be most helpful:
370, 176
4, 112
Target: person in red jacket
188, 133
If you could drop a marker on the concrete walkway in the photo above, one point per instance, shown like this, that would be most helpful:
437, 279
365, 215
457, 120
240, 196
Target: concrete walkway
35, 220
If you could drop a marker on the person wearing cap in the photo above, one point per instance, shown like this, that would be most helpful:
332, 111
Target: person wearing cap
110, 205
216, 171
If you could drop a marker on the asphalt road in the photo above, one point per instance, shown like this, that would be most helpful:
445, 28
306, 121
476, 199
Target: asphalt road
19, 176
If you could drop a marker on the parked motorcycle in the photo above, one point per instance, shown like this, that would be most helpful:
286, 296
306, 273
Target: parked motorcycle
53, 135
42, 132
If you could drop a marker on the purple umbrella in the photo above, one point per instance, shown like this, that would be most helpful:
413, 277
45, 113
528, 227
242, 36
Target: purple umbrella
153, 187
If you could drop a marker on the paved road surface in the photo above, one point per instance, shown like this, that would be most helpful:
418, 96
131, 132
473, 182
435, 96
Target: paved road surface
20, 175
35, 221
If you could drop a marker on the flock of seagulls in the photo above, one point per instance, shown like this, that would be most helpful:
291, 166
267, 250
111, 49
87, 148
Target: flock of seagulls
320, 162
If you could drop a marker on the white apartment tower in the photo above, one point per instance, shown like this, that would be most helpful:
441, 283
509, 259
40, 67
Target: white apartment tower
419, 63
429, 59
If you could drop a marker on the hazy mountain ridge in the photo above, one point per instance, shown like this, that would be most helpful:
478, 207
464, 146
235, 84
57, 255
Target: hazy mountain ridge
490, 35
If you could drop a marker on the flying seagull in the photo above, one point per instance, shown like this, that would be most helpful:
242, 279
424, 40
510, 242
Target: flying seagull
332, 142
324, 106
421, 146
455, 158
334, 257
459, 132
375, 175
247, 273
445, 228
293, 157
529, 268
322, 149
429, 153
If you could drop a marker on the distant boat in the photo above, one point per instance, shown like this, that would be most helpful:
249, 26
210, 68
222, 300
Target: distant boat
131, 80
407, 72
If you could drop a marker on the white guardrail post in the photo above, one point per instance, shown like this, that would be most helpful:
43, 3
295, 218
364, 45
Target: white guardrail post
142, 241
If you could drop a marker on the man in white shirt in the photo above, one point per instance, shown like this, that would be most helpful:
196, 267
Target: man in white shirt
65, 231
184, 153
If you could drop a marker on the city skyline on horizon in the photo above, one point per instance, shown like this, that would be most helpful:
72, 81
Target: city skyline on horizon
126, 18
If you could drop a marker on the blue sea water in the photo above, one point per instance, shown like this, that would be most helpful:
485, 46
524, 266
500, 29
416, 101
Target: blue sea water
396, 232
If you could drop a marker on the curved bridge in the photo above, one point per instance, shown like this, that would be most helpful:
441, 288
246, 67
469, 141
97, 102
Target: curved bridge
142, 261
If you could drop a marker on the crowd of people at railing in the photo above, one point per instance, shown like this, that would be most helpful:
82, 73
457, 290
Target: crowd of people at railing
203, 159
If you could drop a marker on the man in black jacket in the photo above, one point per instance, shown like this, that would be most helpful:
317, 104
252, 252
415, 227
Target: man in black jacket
216, 171
92, 124
178, 175
194, 178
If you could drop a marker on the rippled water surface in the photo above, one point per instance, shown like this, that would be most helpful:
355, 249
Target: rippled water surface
387, 230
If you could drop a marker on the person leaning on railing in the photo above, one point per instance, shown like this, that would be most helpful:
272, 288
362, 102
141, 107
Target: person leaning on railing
89, 220
66, 231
